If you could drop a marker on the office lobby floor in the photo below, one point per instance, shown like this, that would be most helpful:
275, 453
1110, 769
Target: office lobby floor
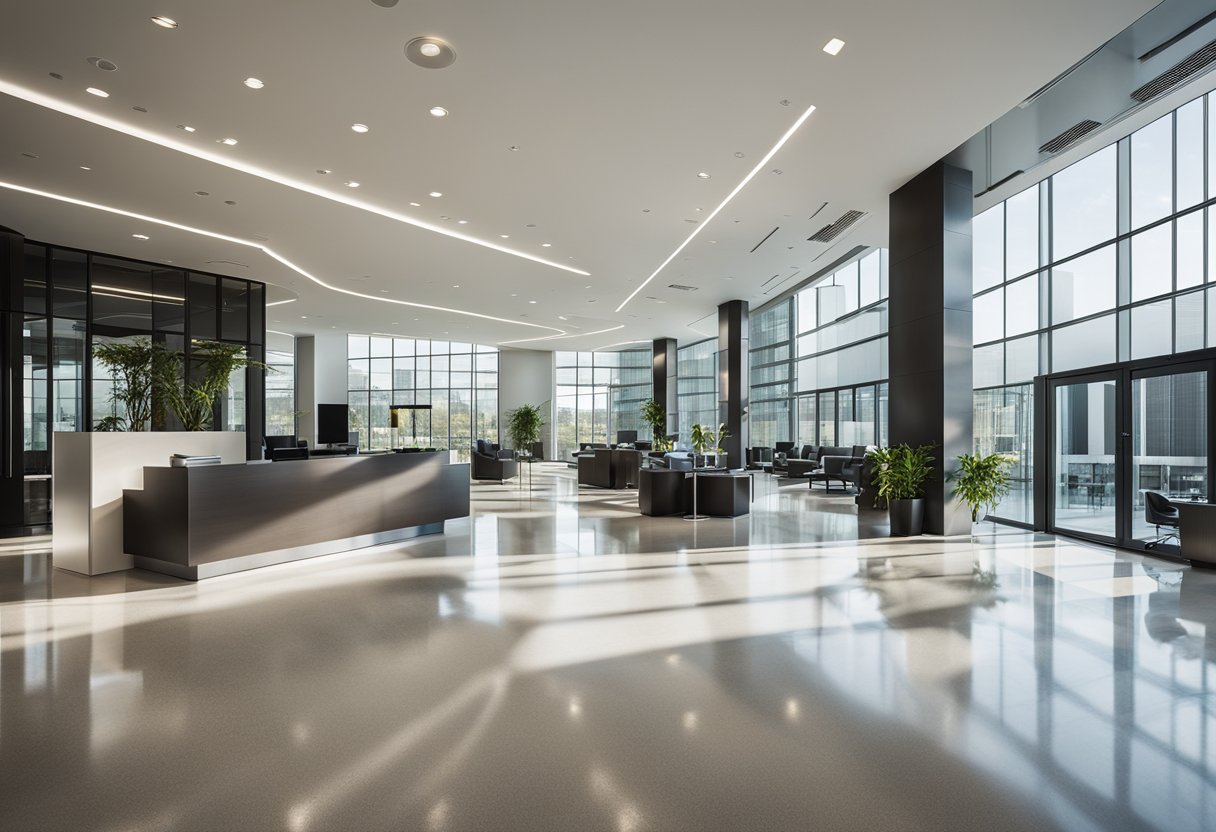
558, 662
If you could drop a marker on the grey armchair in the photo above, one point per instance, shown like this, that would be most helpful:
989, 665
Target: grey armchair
489, 462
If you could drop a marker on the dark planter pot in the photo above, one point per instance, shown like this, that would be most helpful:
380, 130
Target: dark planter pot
907, 517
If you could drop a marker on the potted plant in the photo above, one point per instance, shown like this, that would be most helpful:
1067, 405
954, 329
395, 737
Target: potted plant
194, 401
702, 440
981, 481
145, 373
900, 474
524, 425
655, 415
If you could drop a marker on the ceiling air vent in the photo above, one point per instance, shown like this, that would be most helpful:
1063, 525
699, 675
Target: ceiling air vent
1070, 136
681, 287
1193, 64
831, 232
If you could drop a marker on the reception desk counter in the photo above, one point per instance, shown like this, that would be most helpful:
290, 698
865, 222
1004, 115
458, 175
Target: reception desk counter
200, 522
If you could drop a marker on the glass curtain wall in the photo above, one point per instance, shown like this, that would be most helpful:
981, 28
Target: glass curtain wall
696, 388
456, 385
772, 337
1078, 271
281, 416
598, 394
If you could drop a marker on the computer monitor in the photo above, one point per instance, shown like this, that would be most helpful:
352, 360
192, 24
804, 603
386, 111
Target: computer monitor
333, 424
626, 437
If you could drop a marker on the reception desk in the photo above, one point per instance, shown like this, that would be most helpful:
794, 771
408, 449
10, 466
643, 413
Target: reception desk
201, 522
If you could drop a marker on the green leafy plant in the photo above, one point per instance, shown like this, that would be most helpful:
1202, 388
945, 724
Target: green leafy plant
981, 481
720, 436
702, 439
145, 375
524, 425
110, 424
655, 415
193, 402
901, 472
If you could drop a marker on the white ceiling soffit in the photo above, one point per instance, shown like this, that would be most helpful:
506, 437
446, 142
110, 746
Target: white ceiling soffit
554, 134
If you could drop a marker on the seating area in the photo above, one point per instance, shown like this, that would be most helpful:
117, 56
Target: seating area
490, 462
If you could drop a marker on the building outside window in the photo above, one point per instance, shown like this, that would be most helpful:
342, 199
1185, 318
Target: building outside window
281, 416
598, 394
697, 388
1076, 272
456, 383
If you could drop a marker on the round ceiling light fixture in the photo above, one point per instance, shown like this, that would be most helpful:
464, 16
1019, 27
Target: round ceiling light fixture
104, 64
438, 112
324, 171
360, 128
385, 4
164, 22
546, 245
254, 83
352, 184
185, 127
702, 175
436, 194
95, 91
430, 53
228, 141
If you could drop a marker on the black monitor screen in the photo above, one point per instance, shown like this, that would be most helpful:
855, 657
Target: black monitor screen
332, 424
626, 436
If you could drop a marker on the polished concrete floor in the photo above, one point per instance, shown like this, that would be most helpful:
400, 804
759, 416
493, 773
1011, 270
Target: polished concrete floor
559, 663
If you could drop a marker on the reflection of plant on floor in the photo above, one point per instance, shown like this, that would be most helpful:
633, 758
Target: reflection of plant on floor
984, 578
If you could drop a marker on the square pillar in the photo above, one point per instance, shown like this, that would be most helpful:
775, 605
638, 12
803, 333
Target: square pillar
663, 368
929, 344
734, 385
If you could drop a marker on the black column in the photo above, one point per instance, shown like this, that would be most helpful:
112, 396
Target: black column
663, 365
930, 329
733, 382
12, 404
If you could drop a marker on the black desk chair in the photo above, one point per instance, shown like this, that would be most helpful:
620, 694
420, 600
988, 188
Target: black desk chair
1160, 512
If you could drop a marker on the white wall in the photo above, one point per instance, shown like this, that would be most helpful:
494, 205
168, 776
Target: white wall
320, 377
526, 377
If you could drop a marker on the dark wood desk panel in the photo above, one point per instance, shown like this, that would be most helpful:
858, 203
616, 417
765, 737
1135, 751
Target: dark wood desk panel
1197, 532
194, 516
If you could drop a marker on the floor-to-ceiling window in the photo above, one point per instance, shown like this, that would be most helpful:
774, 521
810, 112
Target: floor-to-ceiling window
280, 385
771, 338
697, 388
441, 391
598, 394
1079, 271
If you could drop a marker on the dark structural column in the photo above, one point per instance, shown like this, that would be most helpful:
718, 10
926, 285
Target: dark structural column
930, 329
12, 405
663, 365
733, 382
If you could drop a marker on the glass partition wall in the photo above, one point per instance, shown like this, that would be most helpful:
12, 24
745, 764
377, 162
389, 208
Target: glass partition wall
62, 303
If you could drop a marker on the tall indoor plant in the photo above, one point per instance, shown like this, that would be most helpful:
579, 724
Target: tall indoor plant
655, 415
194, 400
900, 474
145, 375
524, 425
982, 480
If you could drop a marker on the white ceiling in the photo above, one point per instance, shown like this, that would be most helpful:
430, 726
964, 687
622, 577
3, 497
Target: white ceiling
614, 108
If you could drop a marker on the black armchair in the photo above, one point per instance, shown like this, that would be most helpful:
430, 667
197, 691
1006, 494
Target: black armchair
492, 463
781, 452
1159, 511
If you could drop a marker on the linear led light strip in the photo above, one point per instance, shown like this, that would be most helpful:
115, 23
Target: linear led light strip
268, 251
621, 344
701, 225
564, 335
234, 163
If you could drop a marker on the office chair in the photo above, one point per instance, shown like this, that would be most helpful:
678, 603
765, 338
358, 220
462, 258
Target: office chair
1160, 512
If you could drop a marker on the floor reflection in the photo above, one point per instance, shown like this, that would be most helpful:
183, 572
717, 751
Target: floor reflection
558, 662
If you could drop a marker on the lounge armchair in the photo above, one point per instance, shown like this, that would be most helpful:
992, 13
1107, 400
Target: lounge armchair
492, 463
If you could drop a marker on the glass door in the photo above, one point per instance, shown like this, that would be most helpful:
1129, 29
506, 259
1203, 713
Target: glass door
1085, 457
1169, 441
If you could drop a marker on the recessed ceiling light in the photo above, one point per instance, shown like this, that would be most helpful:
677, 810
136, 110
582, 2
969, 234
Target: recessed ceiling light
104, 64
141, 236
833, 46
738, 154
185, 127
228, 141
531, 301
230, 202
702, 175
438, 112
360, 128
324, 171
416, 204
97, 92
351, 184
85, 167
304, 317
513, 148
505, 236
462, 222
455, 285
436, 194
201, 193
30, 155
430, 52
546, 245
56, 76
254, 83
164, 22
